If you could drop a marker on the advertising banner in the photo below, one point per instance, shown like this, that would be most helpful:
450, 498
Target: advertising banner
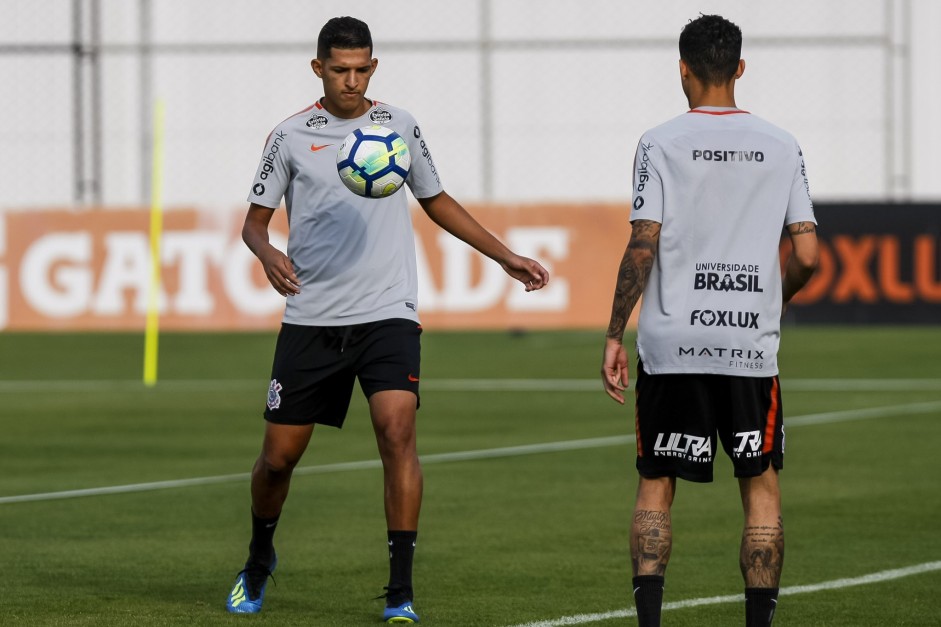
879, 263
89, 269
73, 269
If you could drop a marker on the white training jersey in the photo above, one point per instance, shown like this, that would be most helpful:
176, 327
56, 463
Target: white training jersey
722, 183
354, 256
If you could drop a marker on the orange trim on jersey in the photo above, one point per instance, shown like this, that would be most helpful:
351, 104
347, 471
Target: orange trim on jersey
301, 112
771, 421
718, 112
318, 105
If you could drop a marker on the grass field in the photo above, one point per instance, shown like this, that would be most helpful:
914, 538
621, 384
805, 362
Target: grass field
513, 532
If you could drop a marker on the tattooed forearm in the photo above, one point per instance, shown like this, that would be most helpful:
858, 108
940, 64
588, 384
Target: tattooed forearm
802, 261
633, 274
802, 227
651, 542
762, 555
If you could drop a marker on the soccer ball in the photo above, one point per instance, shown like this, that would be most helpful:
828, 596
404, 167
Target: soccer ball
373, 161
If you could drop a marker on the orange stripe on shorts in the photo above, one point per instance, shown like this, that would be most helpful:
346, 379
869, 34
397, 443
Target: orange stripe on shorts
771, 421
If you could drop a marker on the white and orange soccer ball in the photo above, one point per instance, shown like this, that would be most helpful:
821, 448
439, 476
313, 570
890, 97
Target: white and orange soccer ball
373, 161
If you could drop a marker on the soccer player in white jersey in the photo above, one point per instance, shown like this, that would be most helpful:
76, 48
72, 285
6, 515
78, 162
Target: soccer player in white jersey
350, 279
713, 189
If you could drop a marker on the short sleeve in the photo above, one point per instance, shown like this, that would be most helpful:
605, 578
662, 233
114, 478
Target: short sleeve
800, 208
423, 178
647, 197
273, 173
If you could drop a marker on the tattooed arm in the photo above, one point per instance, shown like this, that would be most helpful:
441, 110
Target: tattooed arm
802, 262
632, 279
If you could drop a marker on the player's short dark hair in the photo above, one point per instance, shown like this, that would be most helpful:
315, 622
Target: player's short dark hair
346, 33
711, 46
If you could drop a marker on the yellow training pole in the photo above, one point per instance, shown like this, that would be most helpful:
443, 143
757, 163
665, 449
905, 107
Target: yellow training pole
156, 227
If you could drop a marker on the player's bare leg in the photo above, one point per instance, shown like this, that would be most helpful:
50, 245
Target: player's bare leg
281, 450
393, 417
651, 530
271, 477
651, 543
762, 552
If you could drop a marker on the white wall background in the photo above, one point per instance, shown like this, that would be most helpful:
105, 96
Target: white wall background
552, 113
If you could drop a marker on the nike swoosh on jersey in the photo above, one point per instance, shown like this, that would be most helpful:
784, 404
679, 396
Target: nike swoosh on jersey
315, 147
412, 378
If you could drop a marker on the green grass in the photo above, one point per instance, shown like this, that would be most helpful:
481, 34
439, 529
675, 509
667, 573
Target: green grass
504, 540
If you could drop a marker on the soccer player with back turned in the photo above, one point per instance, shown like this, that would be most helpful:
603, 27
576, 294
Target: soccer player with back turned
713, 189
350, 279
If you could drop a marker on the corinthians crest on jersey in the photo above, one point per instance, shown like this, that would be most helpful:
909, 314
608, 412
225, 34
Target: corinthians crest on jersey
380, 116
317, 121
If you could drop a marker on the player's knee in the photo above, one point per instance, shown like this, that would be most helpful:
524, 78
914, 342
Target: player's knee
396, 439
277, 462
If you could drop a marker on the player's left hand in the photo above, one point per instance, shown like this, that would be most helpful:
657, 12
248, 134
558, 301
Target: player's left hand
527, 271
614, 374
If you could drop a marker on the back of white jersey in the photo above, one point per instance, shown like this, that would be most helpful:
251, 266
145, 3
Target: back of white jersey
722, 183
354, 256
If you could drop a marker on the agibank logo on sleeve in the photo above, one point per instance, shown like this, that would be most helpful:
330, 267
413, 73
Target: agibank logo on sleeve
643, 168
268, 160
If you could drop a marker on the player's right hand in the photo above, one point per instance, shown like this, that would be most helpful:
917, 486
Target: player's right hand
614, 374
280, 272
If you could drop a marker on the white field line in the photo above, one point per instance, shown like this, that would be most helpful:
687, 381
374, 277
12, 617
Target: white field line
492, 453
836, 584
435, 458
452, 385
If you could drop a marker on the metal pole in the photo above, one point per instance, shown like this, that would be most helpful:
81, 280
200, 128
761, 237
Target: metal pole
486, 101
78, 98
145, 92
906, 122
889, 98
96, 127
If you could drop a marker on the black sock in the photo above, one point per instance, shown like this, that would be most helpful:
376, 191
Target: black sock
401, 552
261, 549
760, 604
648, 598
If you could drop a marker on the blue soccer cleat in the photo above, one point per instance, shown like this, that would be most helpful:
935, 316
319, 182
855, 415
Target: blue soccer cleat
401, 614
249, 590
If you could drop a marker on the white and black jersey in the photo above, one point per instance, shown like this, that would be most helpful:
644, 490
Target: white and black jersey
722, 183
354, 256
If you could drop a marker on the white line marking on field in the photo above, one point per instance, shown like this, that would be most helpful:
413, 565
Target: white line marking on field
454, 385
434, 458
909, 409
836, 584
438, 458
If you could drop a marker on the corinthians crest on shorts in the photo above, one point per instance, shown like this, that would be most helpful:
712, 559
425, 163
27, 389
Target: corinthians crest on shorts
274, 399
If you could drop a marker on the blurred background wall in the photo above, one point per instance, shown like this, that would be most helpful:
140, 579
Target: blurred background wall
532, 110
522, 100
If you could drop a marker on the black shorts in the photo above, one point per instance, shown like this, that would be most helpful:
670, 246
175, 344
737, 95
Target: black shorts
678, 417
314, 368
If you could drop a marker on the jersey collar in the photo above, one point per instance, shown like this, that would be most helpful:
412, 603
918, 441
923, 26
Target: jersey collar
717, 110
319, 106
